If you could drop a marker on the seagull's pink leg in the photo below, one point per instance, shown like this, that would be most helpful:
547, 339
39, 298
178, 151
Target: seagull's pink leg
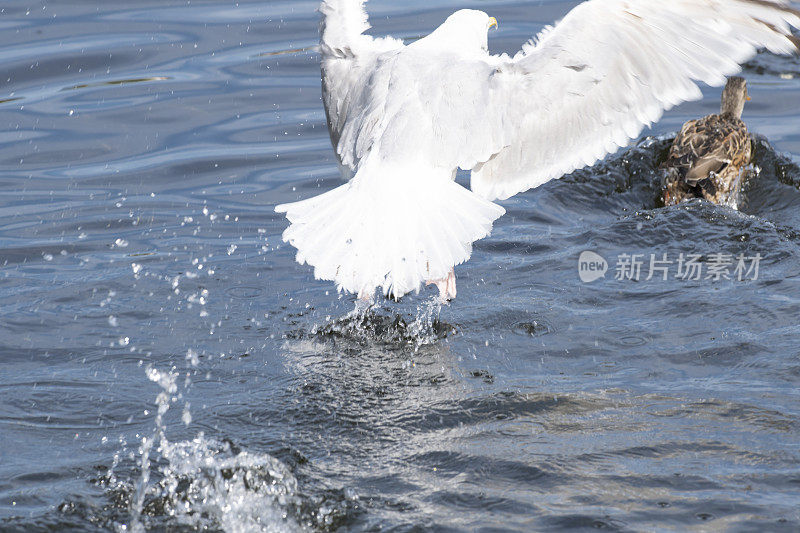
451, 285
446, 286
366, 296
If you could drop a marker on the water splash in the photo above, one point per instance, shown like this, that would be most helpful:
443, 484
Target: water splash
204, 483
372, 325
165, 380
426, 325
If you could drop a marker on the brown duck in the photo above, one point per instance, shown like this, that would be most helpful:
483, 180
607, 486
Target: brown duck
710, 156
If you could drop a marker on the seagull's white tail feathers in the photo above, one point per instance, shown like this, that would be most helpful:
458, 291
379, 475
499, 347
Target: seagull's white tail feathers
394, 230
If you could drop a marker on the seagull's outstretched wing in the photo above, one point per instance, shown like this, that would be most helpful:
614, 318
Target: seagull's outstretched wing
348, 58
610, 67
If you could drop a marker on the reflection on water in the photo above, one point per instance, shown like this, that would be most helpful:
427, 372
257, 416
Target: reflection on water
167, 365
117, 82
290, 51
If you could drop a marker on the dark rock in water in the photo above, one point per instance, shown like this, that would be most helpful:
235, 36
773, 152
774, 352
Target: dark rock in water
392, 330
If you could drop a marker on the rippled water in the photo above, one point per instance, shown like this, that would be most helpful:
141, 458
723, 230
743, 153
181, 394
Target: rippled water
166, 364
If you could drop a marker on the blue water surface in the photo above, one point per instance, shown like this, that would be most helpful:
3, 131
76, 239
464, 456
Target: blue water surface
165, 364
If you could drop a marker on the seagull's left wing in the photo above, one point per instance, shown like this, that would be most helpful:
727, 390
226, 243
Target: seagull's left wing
609, 68
348, 58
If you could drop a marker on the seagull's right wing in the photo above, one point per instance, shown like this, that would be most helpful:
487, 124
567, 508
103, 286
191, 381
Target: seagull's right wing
348, 58
609, 68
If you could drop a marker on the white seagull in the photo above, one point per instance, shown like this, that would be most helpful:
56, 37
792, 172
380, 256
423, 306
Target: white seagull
403, 118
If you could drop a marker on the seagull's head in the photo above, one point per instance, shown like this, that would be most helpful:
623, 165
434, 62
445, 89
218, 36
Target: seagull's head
466, 30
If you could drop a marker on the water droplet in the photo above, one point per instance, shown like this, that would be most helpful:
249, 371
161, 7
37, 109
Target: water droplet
192, 357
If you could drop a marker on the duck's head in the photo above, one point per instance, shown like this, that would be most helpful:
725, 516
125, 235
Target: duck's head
734, 96
465, 30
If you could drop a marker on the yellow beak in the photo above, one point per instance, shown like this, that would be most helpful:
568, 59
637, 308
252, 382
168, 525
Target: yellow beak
492, 23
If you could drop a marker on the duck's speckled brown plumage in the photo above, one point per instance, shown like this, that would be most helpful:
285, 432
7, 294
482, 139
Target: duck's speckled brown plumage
708, 159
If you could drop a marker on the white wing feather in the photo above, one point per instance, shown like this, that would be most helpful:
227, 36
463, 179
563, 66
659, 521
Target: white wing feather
609, 68
403, 118
348, 59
